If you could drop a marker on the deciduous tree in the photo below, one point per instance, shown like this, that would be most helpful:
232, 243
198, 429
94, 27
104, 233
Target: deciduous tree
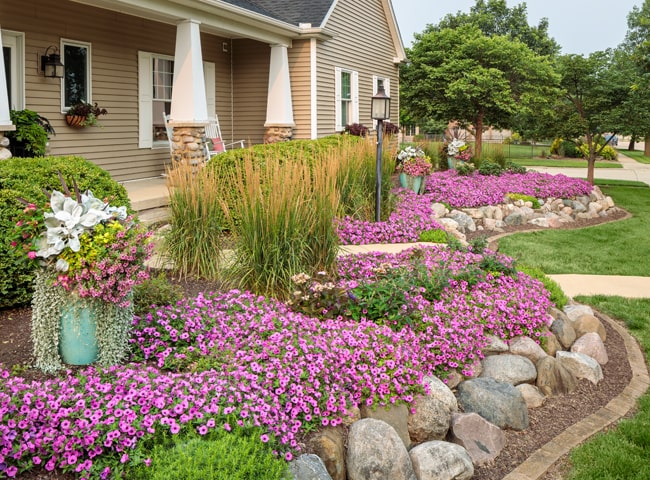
476, 79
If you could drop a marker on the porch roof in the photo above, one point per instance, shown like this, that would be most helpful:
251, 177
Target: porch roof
293, 12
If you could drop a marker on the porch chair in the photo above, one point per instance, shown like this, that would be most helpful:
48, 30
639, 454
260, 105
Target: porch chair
214, 141
169, 130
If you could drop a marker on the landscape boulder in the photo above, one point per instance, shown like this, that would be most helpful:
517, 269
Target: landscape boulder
482, 440
591, 345
375, 451
553, 378
581, 366
308, 467
441, 461
499, 403
513, 369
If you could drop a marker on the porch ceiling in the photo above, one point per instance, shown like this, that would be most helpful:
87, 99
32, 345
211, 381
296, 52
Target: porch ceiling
217, 17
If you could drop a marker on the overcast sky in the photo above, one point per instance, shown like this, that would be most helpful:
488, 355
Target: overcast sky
579, 26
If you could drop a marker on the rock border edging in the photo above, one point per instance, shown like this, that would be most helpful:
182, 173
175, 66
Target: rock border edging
537, 464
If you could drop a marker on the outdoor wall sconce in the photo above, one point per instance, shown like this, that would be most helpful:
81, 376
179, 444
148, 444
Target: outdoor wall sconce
380, 111
51, 64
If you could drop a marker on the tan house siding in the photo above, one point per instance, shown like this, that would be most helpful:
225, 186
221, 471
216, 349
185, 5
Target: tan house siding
299, 66
115, 40
251, 64
362, 43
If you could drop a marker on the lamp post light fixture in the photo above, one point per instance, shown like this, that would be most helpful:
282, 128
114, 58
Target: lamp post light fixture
51, 64
380, 111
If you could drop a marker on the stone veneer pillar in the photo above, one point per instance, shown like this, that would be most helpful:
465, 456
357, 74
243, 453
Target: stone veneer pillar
188, 144
279, 106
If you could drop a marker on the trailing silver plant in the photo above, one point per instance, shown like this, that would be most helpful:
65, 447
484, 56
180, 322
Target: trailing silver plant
113, 324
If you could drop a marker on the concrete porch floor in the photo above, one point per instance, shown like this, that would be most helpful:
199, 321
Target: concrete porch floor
150, 198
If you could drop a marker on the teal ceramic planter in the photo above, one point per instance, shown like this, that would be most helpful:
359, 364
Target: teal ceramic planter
77, 335
451, 163
416, 184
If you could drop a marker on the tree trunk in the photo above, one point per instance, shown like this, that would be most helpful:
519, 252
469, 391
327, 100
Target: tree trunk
630, 147
646, 150
591, 160
478, 136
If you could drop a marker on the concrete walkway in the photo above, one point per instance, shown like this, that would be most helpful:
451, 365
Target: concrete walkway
632, 171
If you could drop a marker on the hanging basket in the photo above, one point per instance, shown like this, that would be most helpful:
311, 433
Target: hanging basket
76, 121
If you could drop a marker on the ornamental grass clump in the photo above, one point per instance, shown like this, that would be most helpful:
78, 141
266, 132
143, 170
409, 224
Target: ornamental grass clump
284, 210
91, 255
195, 239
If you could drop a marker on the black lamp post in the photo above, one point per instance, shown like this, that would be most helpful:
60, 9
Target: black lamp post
380, 107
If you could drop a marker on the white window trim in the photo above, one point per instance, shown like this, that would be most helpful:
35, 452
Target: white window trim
16, 41
86, 45
145, 97
375, 87
354, 87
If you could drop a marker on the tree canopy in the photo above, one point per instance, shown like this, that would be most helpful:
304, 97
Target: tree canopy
476, 79
495, 18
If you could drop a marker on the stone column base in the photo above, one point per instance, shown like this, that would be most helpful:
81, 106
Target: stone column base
188, 145
274, 134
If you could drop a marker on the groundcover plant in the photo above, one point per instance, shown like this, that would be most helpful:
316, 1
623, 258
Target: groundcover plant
234, 360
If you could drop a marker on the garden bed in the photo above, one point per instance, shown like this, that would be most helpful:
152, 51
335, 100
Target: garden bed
203, 358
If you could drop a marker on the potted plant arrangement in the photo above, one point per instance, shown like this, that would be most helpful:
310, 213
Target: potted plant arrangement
84, 114
413, 166
31, 135
458, 150
91, 255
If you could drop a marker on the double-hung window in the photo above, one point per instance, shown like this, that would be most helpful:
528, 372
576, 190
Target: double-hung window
155, 83
76, 79
346, 87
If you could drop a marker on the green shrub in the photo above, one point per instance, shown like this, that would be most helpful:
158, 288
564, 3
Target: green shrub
157, 290
27, 178
490, 168
239, 455
565, 148
465, 168
434, 236
525, 198
512, 167
608, 152
557, 295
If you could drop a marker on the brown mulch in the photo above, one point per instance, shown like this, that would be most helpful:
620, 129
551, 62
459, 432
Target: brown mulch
555, 416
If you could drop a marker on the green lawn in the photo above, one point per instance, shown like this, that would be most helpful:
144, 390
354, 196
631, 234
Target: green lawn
636, 155
623, 452
618, 248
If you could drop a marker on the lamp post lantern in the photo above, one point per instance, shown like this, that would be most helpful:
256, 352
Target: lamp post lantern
380, 111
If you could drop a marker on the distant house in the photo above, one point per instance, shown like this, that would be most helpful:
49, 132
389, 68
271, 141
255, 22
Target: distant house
287, 68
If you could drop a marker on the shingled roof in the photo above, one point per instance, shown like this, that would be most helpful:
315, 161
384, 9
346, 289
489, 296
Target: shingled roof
293, 12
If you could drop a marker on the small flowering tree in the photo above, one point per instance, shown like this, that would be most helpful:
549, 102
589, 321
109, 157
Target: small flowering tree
91, 255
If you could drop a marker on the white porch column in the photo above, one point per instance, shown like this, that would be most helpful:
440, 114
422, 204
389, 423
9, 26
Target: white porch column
189, 112
5, 120
279, 107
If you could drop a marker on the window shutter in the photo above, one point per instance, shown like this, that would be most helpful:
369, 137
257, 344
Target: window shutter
355, 97
145, 97
337, 98
210, 86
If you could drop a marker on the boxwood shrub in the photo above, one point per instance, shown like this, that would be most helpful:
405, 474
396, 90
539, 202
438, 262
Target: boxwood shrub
28, 178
